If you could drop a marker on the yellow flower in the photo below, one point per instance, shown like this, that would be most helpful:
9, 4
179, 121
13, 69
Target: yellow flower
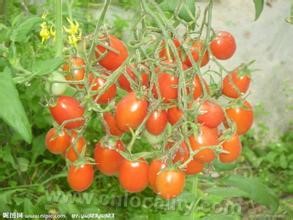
52, 32
44, 15
73, 32
44, 32
73, 27
73, 40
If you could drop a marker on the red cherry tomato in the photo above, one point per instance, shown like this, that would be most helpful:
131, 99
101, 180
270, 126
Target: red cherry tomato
97, 83
111, 59
170, 183
79, 144
198, 89
155, 167
164, 52
125, 84
242, 116
168, 87
233, 146
81, 177
174, 115
196, 50
223, 46
130, 111
56, 142
233, 82
157, 122
212, 114
133, 175
206, 137
75, 70
111, 125
194, 167
182, 154
108, 160
67, 108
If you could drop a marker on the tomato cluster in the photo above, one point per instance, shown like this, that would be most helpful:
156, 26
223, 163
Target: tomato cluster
167, 102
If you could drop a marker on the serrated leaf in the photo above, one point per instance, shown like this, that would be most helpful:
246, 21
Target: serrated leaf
258, 5
254, 190
12, 111
21, 31
43, 67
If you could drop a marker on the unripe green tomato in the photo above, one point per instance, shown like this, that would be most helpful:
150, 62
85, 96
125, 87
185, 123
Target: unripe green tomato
56, 88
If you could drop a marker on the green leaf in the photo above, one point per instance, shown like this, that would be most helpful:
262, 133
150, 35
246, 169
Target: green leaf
12, 111
258, 5
28, 206
221, 193
23, 164
283, 161
43, 67
254, 190
5, 33
6, 156
38, 147
5, 199
186, 11
21, 31
252, 157
224, 166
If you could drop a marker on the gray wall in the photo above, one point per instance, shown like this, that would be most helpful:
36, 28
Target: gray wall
269, 41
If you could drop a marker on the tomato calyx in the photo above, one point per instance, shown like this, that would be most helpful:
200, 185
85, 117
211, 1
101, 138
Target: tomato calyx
81, 161
239, 103
111, 142
245, 69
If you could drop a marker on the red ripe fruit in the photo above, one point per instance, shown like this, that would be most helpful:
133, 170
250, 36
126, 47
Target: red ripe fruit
157, 122
205, 138
233, 82
211, 114
223, 46
196, 50
112, 59
107, 158
130, 111
67, 108
56, 142
81, 177
233, 147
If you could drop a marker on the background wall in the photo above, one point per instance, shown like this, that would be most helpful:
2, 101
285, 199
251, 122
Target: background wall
269, 41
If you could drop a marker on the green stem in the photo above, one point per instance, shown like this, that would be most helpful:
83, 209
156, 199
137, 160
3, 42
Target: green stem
58, 26
99, 23
194, 191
